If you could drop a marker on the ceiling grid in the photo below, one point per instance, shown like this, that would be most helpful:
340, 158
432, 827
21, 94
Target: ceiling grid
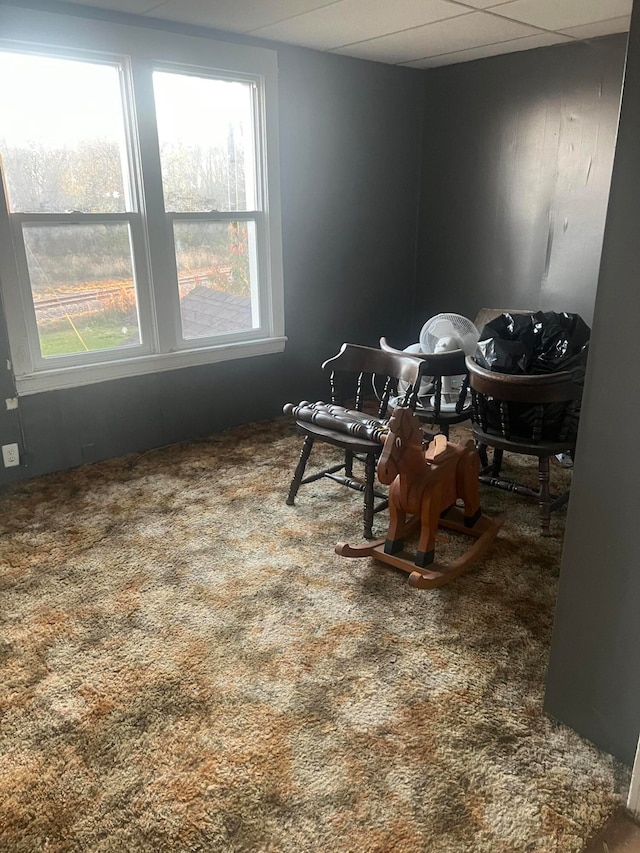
414, 33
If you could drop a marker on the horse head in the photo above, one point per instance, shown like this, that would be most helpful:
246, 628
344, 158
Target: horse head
404, 434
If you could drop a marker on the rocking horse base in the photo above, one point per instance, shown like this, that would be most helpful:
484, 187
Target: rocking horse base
484, 531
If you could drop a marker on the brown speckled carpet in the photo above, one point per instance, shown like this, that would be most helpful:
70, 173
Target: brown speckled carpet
185, 665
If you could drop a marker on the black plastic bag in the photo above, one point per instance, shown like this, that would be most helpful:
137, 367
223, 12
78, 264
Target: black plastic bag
544, 342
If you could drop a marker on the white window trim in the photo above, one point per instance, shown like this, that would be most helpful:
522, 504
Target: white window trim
89, 374
36, 30
79, 360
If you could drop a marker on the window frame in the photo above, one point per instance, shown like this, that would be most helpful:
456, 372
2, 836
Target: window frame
141, 283
179, 342
140, 51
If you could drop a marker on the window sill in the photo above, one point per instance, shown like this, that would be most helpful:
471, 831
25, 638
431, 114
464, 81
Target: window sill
73, 377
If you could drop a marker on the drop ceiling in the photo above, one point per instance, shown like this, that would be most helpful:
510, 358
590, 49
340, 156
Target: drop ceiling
413, 33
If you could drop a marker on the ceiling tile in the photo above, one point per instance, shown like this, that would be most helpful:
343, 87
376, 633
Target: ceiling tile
601, 28
467, 31
351, 21
540, 40
136, 7
553, 15
483, 4
416, 33
238, 16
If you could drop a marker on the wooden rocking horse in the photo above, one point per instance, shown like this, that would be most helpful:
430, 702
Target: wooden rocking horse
424, 488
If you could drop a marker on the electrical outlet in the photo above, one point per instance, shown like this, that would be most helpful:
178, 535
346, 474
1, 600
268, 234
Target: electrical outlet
10, 455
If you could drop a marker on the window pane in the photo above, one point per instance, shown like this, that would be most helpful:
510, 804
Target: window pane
83, 287
62, 139
205, 129
215, 271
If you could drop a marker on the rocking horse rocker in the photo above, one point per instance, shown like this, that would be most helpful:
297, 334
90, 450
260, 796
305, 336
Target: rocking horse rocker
424, 488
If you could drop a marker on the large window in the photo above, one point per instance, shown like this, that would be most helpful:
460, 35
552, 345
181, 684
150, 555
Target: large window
139, 224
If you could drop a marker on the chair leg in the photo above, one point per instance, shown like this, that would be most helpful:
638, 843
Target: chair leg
370, 475
545, 505
299, 472
482, 453
348, 463
444, 429
497, 462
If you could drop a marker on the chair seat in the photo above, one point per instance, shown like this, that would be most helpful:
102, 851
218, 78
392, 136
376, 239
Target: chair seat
428, 415
425, 411
352, 443
524, 446
339, 439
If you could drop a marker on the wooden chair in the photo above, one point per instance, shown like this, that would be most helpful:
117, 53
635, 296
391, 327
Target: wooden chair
551, 402
362, 381
429, 408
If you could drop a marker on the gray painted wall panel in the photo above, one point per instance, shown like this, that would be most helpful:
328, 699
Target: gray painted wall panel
10, 424
594, 670
517, 165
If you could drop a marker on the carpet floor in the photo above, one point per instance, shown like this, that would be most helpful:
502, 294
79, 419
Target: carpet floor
186, 665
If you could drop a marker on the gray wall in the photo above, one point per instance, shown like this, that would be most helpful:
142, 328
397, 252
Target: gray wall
516, 172
350, 153
594, 672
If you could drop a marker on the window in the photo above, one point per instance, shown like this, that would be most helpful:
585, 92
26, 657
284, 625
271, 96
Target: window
139, 224
207, 155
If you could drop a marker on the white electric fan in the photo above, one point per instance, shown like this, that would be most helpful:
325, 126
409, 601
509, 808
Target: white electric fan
426, 384
446, 333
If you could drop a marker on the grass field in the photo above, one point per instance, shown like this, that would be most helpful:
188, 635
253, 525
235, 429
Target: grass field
65, 341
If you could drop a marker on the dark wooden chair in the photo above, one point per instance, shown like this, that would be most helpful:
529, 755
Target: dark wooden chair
362, 381
531, 415
430, 407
